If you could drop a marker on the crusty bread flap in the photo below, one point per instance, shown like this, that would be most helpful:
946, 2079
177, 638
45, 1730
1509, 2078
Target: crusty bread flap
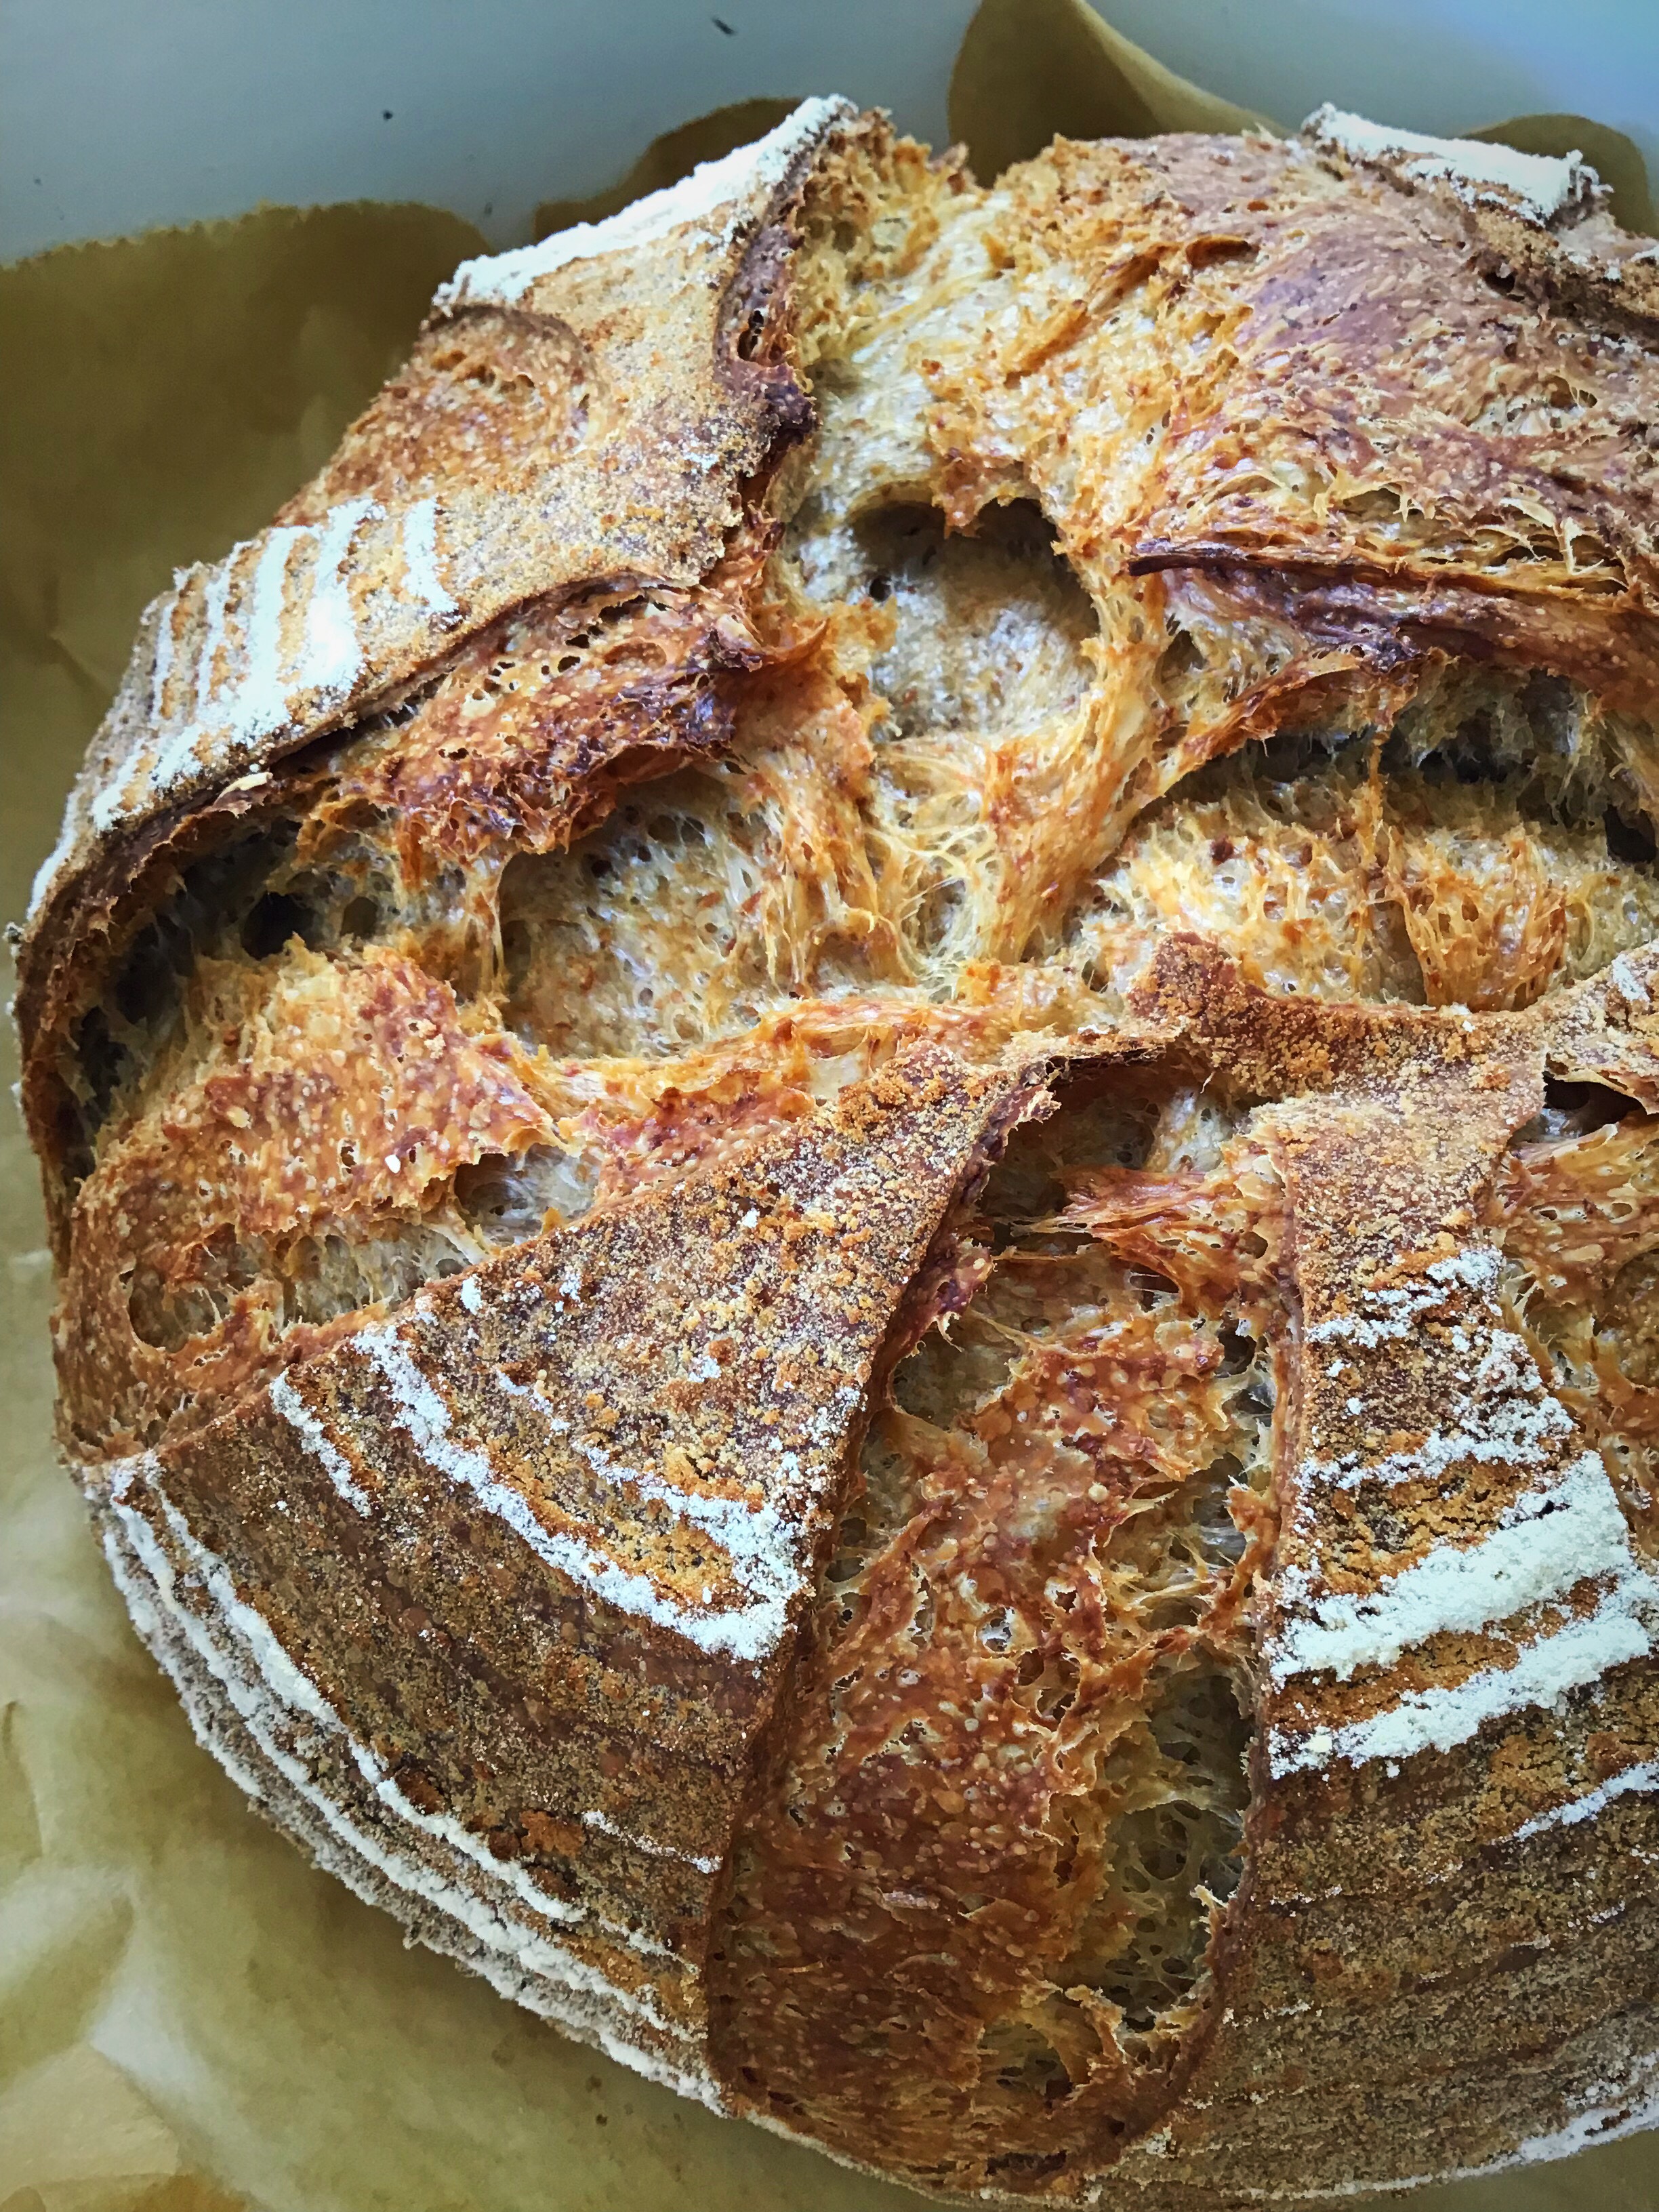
504, 1587
543, 1033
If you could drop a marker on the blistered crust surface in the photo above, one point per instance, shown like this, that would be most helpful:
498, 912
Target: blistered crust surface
702, 856
529, 445
530, 1556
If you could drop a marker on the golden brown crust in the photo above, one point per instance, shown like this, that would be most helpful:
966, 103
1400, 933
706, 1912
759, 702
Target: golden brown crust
539, 1545
526, 739
335, 1097
1022, 1656
1394, 1124
554, 816
1378, 450
446, 510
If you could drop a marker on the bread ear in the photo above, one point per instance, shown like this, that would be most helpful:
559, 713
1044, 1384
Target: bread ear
494, 1599
493, 1602
531, 446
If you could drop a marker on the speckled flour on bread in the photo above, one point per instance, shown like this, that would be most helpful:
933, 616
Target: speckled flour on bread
850, 1100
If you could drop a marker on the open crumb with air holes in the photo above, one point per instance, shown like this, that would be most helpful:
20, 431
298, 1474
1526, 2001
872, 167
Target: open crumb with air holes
848, 1095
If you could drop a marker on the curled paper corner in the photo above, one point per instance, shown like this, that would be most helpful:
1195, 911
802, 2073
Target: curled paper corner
75, 2135
1028, 70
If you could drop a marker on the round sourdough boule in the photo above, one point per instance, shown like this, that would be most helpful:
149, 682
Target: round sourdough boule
850, 1097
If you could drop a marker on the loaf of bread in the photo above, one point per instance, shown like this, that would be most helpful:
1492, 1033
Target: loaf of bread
850, 1097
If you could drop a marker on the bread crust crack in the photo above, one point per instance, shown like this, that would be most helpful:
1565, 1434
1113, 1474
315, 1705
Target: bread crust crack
847, 1095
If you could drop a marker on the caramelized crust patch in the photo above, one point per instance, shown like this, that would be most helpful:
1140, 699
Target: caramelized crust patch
329, 1107
524, 743
635, 836
1009, 1806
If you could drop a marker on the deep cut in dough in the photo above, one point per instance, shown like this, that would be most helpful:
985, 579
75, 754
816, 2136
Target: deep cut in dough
851, 1105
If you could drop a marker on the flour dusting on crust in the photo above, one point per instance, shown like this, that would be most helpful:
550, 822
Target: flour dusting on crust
1547, 185
704, 197
856, 1072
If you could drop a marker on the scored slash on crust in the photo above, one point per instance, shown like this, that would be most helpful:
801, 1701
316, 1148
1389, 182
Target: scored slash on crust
720, 821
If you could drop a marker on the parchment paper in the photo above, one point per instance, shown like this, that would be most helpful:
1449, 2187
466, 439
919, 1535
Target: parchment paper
191, 2019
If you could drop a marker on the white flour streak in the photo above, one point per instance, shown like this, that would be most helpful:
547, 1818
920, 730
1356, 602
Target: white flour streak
1607, 2123
1545, 183
1436, 1719
420, 539
1396, 1310
294, 1690
1565, 1533
758, 1542
532, 1953
333, 658
301, 1419
748, 1632
1633, 1780
1628, 980
46, 874
174, 757
1547, 1542
756, 1539
214, 601
285, 1682
606, 1826
1625, 2112
742, 175
235, 716
166, 652
1505, 1419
